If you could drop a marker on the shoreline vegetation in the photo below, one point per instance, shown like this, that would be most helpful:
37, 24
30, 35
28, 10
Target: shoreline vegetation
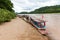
6, 11
44, 10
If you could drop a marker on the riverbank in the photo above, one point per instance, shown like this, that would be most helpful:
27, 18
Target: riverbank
18, 29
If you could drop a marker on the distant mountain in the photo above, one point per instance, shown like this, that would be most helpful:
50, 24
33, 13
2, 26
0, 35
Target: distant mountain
23, 13
47, 9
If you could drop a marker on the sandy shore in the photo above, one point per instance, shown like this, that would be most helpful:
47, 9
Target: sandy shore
18, 29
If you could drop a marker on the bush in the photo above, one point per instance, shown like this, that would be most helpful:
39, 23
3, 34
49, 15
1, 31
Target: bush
6, 15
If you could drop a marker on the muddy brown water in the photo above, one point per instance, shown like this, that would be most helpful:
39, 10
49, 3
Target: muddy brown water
52, 24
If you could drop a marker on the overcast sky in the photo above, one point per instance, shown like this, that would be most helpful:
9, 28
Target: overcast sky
30, 5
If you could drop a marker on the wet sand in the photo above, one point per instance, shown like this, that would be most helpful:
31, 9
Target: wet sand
18, 29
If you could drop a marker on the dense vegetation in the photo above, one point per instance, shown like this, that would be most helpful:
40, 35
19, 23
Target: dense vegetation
6, 11
47, 9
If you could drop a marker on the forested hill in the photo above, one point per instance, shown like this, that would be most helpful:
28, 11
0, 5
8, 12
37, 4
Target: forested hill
48, 9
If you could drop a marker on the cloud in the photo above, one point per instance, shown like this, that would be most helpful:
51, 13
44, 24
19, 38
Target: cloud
29, 5
35, 1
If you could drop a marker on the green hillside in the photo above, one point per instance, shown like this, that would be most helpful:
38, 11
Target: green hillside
48, 9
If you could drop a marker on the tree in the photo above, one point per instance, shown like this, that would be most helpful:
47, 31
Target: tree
6, 4
6, 11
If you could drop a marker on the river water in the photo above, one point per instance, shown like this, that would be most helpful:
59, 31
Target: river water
52, 24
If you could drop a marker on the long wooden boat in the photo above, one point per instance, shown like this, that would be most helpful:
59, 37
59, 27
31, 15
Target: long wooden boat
38, 23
